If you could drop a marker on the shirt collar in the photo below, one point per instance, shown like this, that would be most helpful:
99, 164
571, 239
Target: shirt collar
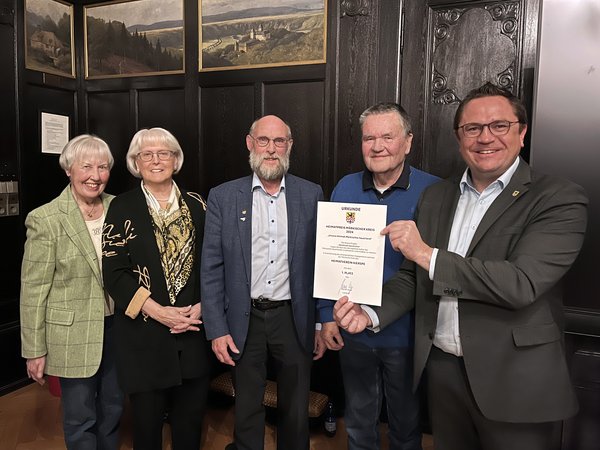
502, 180
257, 184
403, 181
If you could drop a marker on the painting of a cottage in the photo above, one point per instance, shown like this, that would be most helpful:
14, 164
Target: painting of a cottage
133, 38
261, 33
49, 37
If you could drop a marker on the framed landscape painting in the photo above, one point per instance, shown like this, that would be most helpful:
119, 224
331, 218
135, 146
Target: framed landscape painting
133, 38
261, 33
49, 37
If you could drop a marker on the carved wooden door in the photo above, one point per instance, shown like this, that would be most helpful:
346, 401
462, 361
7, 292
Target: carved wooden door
450, 48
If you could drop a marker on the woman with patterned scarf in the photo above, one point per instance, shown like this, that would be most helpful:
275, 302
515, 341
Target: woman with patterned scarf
152, 241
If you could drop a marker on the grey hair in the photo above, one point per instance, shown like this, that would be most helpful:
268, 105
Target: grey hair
385, 108
154, 137
84, 145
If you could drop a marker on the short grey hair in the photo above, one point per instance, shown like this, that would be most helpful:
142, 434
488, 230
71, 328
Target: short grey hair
385, 108
158, 137
83, 146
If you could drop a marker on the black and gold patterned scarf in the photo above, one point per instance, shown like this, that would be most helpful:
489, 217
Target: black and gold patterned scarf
176, 237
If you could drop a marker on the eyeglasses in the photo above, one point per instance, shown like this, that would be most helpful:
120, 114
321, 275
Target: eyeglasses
263, 141
163, 155
497, 128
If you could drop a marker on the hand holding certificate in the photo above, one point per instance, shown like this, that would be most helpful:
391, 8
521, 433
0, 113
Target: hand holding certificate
349, 252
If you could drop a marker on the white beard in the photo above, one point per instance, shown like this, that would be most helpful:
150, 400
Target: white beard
269, 173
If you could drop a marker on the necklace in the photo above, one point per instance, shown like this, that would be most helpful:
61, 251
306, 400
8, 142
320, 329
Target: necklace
89, 213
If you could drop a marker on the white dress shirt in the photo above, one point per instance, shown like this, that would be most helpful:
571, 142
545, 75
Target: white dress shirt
471, 208
270, 269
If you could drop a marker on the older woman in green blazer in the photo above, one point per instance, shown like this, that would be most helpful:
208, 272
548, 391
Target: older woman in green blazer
66, 316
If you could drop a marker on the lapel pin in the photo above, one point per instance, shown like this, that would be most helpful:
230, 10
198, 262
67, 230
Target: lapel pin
515, 193
244, 211
242, 219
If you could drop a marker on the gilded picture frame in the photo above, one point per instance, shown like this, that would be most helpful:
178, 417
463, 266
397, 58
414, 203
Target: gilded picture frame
49, 37
127, 38
261, 33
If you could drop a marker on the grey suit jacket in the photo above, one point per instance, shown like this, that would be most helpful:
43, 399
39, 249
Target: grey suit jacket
509, 292
227, 259
62, 298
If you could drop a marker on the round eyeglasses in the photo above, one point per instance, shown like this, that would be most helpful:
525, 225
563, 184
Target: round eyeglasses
163, 155
263, 141
497, 128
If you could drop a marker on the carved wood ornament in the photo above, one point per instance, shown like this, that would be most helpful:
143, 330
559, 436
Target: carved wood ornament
447, 25
352, 8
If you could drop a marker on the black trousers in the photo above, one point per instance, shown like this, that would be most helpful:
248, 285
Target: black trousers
186, 405
457, 422
272, 334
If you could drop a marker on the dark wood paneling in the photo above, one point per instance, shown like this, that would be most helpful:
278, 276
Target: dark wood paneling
440, 37
226, 116
301, 105
109, 117
165, 108
42, 178
13, 373
581, 432
10, 227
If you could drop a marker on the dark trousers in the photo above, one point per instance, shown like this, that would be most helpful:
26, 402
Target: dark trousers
369, 373
272, 333
457, 422
92, 406
185, 404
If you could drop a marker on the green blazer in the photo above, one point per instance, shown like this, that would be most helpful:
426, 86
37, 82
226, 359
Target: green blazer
62, 298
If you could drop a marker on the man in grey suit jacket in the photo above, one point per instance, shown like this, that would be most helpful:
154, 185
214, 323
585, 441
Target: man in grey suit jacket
257, 277
484, 266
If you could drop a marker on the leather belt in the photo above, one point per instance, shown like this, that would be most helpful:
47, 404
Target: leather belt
262, 304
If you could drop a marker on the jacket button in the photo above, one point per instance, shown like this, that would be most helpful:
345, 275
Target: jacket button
446, 291
430, 334
246, 314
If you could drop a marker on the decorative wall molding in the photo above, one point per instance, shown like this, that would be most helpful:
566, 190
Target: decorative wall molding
355, 8
440, 92
507, 13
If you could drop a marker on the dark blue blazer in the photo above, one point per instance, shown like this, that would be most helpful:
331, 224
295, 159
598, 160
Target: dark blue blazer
227, 258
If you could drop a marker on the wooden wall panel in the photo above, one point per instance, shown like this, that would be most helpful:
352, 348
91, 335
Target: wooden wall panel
165, 108
301, 105
226, 115
109, 117
459, 46
42, 169
368, 62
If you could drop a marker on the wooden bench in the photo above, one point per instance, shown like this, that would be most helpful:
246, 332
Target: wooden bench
316, 402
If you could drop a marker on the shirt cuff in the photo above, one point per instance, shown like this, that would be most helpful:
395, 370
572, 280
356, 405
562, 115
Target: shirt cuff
318, 326
432, 263
137, 302
374, 319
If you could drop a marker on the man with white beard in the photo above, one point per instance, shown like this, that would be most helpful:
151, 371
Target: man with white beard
257, 278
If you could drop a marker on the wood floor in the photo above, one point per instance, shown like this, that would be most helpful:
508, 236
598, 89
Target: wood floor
30, 419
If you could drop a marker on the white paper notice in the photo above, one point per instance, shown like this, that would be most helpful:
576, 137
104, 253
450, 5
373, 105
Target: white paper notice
349, 252
55, 132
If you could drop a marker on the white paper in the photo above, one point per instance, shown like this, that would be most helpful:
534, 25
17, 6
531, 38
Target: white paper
349, 252
55, 132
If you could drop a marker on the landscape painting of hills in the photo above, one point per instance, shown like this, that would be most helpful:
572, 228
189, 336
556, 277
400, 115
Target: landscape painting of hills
49, 37
261, 33
132, 38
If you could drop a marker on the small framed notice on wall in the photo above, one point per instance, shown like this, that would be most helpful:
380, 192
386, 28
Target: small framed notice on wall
55, 132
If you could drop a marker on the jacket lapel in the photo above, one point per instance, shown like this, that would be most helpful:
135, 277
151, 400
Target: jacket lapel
446, 215
243, 217
518, 185
75, 227
294, 208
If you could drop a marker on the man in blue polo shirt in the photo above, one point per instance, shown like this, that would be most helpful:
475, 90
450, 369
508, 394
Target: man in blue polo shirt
377, 364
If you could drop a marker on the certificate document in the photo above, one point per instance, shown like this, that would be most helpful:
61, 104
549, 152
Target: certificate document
349, 252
